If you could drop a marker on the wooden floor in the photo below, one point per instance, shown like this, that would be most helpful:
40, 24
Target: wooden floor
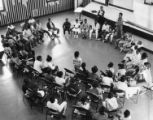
12, 106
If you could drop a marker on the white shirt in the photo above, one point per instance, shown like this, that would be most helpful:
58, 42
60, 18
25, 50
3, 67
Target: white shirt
55, 106
121, 72
111, 104
107, 81
77, 25
38, 66
60, 81
96, 27
105, 27
31, 21
49, 64
121, 86
77, 62
27, 33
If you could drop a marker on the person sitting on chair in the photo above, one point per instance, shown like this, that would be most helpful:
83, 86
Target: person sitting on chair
59, 78
48, 65
51, 26
111, 103
66, 26
54, 105
76, 28
94, 29
93, 75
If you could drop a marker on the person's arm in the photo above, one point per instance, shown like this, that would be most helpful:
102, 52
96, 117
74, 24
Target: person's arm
64, 25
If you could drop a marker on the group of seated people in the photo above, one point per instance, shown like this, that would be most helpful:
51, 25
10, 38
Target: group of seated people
85, 30
134, 68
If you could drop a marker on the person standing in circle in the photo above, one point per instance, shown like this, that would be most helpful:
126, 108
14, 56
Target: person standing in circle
101, 18
119, 26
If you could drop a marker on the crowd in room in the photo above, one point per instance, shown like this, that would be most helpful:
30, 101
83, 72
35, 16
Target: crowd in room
96, 94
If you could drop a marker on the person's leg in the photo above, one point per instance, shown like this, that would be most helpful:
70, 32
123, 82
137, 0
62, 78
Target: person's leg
63, 107
64, 30
97, 34
90, 34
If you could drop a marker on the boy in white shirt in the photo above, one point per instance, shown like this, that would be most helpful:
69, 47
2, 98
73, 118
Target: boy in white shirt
53, 104
59, 78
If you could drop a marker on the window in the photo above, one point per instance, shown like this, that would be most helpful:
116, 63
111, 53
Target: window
1, 5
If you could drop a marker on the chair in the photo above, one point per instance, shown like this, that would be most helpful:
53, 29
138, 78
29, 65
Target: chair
68, 72
79, 112
52, 113
94, 99
149, 90
73, 93
120, 94
135, 97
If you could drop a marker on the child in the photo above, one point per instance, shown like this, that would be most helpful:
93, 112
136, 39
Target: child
77, 60
76, 28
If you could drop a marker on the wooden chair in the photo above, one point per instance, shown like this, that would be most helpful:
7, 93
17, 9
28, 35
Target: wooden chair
53, 114
79, 113
120, 94
94, 99
68, 73
149, 91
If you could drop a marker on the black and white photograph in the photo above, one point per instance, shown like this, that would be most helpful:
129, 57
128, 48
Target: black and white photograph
76, 59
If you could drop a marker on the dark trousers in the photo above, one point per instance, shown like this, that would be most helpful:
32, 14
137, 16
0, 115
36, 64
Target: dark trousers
66, 29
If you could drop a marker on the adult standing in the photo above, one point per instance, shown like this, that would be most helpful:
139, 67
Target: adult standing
119, 26
101, 18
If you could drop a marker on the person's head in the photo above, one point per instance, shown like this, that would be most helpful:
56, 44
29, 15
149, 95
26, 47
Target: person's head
144, 56
110, 65
49, 19
77, 20
39, 58
127, 114
66, 19
76, 54
120, 14
121, 66
147, 65
52, 99
83, 65
2, 36
110, 95
122, 79
101, 7
85, 20
102, 110
83, 99
139, 42
94, 69
49, 58
60, 74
